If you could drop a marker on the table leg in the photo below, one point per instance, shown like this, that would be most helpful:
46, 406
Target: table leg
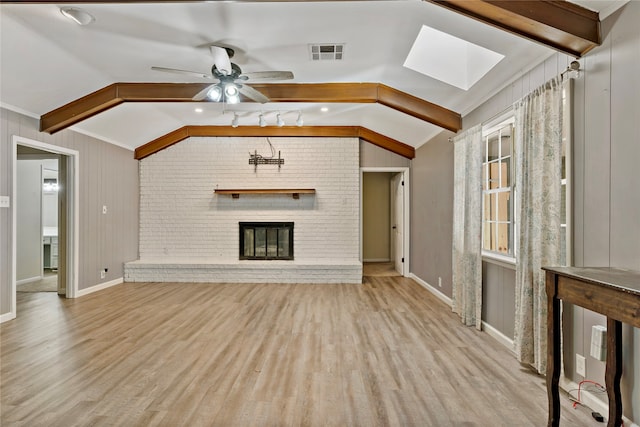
614, 371
553, 350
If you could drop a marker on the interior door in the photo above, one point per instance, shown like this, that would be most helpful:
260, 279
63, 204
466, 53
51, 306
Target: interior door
397, 217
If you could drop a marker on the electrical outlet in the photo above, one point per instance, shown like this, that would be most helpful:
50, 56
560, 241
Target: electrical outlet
439, 282
581, 368
5, 202
103, 273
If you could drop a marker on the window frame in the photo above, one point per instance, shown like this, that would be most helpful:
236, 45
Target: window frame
497, 124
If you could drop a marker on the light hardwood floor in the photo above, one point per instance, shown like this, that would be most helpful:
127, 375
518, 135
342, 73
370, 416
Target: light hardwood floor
385, 353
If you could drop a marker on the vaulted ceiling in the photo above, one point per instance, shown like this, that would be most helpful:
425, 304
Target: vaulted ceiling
98, 80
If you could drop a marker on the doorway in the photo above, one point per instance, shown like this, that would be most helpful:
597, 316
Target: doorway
39, 214
64, 253
384, 221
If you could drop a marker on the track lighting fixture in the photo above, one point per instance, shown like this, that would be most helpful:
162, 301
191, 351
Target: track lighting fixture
79, 16
299, 121
261, 121
279, 120
234, 122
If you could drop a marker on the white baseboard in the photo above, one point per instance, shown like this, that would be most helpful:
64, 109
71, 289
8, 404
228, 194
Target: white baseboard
591, 401
498, 336
101, 286
7, 316
377, 260
29, 280
431, 289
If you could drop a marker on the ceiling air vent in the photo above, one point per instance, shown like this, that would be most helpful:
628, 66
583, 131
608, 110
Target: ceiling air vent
326, 51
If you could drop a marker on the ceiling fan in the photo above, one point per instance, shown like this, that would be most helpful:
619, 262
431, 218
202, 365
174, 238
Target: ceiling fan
230, 79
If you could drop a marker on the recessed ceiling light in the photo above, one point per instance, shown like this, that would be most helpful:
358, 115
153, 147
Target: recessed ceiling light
79, 16
324, 109
198, 110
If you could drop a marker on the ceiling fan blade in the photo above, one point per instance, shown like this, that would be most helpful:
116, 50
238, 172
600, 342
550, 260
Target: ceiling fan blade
269, 75
202, 94
221, 59
250, 92
186, 72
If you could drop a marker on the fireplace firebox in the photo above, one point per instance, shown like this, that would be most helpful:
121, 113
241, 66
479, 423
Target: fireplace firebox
266, 240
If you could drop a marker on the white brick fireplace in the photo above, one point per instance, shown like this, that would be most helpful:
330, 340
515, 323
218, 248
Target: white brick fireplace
190, 234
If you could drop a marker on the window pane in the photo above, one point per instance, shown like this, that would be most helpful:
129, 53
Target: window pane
493, 146
506, 172
504, 213
261, 242
486, 235
493, 213
485, 178
272, 242
494, 175
492, 245
283, 242
248, 242
503, 238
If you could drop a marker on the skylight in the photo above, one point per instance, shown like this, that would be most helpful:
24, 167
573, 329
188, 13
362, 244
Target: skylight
449, 59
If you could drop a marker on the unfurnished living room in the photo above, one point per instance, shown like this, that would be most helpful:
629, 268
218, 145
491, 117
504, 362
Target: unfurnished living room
306, 213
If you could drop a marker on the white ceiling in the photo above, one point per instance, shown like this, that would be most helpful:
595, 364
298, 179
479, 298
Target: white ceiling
47, 61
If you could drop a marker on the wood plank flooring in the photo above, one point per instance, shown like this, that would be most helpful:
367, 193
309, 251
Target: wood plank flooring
384, 353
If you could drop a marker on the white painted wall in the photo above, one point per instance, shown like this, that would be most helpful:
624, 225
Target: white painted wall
29, 226
182, 221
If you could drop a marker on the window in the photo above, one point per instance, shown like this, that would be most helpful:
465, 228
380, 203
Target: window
566, 231
498, 220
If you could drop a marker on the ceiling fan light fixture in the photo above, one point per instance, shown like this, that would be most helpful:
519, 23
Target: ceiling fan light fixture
79, 16
231, 90
214, 94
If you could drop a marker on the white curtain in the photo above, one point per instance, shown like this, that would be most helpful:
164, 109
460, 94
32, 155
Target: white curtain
538, 156
467, 231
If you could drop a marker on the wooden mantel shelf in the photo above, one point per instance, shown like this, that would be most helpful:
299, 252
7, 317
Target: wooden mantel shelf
295, 192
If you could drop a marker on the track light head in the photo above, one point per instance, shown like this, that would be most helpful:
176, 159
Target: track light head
234, 122
261, 121
279, 120
299, 121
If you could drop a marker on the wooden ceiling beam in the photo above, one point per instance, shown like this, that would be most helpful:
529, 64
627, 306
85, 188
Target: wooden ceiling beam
185, 132
117, 93
564, 26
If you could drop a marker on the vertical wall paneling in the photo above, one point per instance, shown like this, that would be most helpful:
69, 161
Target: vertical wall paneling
597, 155
432, 212
100, 164
625, 145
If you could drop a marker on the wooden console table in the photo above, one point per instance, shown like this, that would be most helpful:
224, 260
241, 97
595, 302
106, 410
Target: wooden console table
610, 291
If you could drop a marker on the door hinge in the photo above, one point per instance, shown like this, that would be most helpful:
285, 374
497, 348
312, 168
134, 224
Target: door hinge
403, 183
402, 259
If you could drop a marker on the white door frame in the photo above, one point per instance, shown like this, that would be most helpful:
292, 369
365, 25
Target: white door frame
73, 216
405, 236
